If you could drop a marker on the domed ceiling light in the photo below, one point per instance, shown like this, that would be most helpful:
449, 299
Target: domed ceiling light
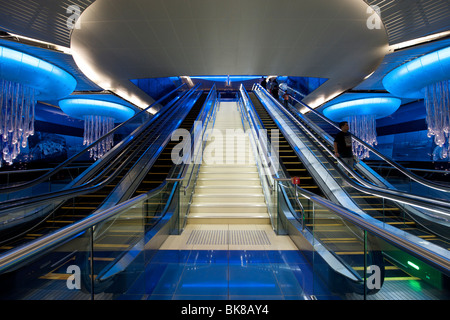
427, 77
24, 79
99, 118
361, 115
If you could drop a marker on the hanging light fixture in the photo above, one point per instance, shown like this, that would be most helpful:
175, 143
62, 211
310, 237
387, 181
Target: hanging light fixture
24, 79
16, 118
99, 118
361, 115
427, 77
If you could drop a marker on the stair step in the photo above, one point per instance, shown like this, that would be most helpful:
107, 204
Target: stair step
221, 207
228, 197
227, 182
228, 175
226, 189
227, 219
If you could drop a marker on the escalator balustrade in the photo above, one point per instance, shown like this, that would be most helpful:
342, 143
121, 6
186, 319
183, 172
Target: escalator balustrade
83, 205
381, 209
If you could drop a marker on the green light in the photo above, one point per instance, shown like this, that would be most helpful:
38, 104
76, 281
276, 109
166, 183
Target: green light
415, 266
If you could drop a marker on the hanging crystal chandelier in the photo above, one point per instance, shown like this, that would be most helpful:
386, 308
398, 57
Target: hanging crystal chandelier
94, 128
361, 113
364, 127
99, 118
427, 77
438, 115
17, 104
24, 79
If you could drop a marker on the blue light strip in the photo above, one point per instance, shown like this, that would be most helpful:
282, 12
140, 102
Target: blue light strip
379, 106
49, 81
78, 108
410, 79
226, 78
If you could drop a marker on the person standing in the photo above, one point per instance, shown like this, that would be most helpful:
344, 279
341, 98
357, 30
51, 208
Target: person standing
275, 88
264, 83
343, 144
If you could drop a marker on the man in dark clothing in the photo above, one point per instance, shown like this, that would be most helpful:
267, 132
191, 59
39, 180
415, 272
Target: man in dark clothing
343, 144
275, 89
264, 83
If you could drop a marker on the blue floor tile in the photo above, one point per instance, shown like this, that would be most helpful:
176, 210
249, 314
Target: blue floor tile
170, 256
245, 257
208, 256
204, 279
223, 274
288, 256
169, 280
254, 279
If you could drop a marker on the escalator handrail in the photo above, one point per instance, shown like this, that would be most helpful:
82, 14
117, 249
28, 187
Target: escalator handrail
59, 167
251, 113
202, 114
349, 216
211, 114
393, 163
47, 242
375, 190
43, 244
35, 247
439, 257
64, 194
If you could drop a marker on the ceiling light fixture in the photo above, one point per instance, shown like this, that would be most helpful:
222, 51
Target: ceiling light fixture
24, 79
428, 78
361, 115
414, 42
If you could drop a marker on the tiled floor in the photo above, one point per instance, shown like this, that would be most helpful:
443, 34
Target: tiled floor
266, 239
257, 268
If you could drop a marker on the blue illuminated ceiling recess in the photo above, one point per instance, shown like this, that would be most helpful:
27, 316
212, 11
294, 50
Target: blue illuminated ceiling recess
48, 80
379, 106
78, 108
158, 87
410, 79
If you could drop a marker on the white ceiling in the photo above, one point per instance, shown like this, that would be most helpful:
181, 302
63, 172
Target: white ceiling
128, 39
121, 40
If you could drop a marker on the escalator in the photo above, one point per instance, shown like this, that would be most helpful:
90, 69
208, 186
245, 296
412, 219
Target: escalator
384, 210
108, 244
333, 232
339, 238
117, 240
85, 204
110, 236
164, 163
430, 182
294, 167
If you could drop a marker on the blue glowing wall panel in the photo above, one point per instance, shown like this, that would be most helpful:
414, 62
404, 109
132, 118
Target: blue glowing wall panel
403, 135
407, 146
304, 85
412, 113
51, 119
157, 87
